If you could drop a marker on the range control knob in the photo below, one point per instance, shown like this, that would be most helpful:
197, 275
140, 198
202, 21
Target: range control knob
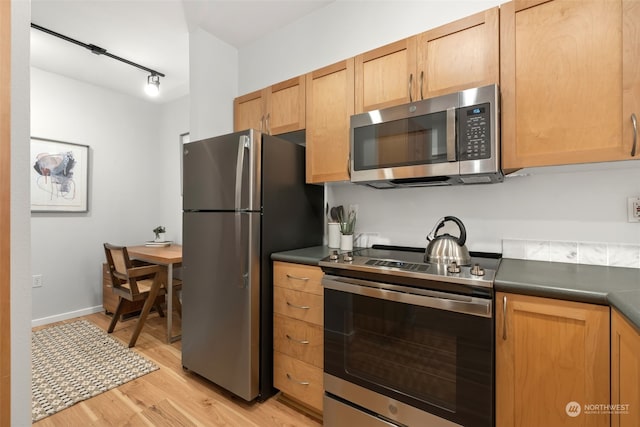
453, 267
348, 257
333, 256
476, 270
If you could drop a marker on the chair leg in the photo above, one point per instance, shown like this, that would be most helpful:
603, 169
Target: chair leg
146, 308
177, 303
116, 315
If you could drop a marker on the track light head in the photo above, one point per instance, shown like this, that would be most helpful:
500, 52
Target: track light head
153, 85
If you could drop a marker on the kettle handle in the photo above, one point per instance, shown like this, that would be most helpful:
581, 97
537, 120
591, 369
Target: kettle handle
463, 231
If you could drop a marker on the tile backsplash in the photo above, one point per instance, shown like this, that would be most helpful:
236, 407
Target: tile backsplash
611, 254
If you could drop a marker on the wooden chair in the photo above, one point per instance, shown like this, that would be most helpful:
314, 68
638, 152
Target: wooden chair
133, 283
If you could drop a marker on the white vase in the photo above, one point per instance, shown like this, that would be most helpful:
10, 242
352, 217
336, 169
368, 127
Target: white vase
346, 242
160, 237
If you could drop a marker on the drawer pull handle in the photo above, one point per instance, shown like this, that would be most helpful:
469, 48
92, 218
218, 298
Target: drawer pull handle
295, 340
297, 277
301, 307
290, 378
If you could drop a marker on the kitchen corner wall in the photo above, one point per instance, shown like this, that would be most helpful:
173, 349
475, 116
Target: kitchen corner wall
133, 186
568, 204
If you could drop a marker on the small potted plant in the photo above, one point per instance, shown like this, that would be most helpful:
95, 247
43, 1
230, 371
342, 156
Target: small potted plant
159, 232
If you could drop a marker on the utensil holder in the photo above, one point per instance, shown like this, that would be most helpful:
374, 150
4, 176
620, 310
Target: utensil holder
346, 242
333, 229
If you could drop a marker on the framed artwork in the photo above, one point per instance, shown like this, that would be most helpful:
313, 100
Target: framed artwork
59, 176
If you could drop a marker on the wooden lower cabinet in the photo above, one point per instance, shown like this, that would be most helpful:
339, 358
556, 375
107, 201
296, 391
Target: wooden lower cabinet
552, 361
625, 372
298, 334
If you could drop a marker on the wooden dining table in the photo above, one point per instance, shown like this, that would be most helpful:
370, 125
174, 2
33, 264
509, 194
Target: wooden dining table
168, 256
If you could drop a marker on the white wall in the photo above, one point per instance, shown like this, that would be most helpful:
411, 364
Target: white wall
213, 83
174, 121
130, 188
578, 203
20, 228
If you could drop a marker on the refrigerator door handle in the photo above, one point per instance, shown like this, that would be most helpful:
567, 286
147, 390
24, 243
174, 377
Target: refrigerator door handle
244, 143
240, 248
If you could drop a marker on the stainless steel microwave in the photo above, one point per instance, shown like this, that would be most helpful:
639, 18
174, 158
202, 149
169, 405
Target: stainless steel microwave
446, 140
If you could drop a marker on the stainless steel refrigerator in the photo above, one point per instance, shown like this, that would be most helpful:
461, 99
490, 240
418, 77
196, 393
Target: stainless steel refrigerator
244, 197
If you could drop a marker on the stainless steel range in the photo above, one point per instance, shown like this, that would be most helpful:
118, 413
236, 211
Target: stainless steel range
408, 343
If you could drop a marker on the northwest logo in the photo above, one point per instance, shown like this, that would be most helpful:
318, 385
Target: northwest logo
573, 409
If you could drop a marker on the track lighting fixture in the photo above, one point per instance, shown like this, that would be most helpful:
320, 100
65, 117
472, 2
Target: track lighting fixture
153, 81
153, 85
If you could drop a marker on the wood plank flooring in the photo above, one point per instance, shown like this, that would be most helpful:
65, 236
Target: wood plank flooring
170, 396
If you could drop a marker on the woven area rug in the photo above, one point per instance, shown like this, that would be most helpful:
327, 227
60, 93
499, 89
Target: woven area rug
75, 361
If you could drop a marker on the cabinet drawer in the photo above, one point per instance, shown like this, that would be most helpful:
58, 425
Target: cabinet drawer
298, 339
298, 277
299, 305
298, 380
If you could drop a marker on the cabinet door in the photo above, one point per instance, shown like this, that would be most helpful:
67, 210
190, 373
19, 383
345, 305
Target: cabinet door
562, 79
386, 76
550, 353
630, 76
460, 55
285, 106
330, 106
625, 372
248, 111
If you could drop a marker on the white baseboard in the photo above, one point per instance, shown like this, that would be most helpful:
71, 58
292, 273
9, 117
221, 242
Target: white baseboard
66, 316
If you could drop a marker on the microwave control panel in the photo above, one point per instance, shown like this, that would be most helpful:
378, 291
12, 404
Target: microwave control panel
474, 132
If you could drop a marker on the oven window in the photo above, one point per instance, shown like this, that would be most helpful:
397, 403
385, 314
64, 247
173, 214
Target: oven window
413, 141
395, 349
437, 360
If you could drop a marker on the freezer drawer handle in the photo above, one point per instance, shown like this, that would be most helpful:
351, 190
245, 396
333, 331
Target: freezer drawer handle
301, 307
290, 378
297, 278
295, 340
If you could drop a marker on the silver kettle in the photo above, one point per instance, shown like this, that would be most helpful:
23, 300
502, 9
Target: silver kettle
446, 249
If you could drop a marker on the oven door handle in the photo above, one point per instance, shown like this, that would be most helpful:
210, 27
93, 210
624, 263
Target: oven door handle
423, 297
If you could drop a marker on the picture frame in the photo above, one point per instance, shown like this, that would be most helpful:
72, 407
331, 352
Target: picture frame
59, 177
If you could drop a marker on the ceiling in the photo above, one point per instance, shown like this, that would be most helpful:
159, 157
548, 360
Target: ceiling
152, 33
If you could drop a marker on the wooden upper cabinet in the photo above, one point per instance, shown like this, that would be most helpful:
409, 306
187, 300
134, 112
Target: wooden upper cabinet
330, 105
249, 111
280, 108
569, 81
452, 57
550, 353
286, 106
386, 76
460, 55
630, 75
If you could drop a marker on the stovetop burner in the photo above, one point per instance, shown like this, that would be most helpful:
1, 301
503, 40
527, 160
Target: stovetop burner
388, 261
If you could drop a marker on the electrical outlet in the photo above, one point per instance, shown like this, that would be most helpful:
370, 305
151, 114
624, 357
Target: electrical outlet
633, 209
36, 280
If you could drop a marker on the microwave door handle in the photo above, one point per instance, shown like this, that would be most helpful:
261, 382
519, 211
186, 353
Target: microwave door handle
452, 155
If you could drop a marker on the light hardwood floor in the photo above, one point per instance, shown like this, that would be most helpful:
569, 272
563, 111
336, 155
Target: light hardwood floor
170, 396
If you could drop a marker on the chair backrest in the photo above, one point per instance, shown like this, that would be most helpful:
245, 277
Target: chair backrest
119, 263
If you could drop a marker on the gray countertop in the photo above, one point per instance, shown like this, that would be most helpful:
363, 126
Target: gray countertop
614, 286
309, 256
